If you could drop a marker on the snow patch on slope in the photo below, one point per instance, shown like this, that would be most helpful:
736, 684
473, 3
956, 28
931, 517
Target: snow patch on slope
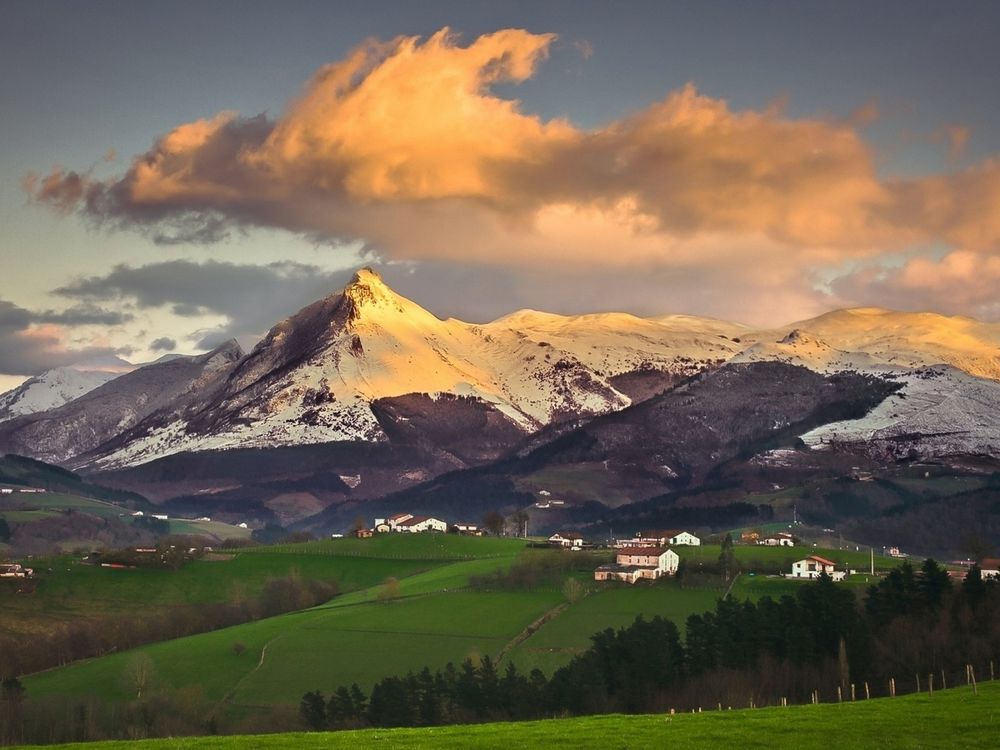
939, 411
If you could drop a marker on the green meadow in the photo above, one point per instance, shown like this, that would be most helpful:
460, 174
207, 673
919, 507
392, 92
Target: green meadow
953, 719
428, 616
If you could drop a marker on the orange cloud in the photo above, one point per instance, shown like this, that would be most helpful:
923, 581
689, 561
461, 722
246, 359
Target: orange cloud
961, 281
404, 145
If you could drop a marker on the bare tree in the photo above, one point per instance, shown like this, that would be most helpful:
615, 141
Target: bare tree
139, 674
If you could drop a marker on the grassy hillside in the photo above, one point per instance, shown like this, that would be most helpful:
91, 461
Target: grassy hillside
19, 471
68, 589
431, 617
947, 719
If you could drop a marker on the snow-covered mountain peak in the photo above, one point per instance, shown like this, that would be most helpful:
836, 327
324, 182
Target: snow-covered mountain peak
50, 389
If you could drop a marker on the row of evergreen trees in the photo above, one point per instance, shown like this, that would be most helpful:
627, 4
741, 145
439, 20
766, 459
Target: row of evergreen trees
910, 623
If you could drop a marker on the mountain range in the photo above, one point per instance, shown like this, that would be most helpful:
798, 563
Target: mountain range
364, 394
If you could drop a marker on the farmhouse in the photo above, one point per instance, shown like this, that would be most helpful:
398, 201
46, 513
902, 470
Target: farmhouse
6, 491
664, 538
990, 568
814, 567
783, 539
634, 563
407, 523
469, 529
15, 570
572, 539
363, 533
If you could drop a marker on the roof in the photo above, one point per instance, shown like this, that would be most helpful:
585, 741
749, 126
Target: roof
616, 568
399, 516
659, 533
415, 520
645, 551
821, 560
990, 563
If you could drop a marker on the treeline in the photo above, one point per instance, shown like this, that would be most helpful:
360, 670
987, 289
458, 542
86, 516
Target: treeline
82, 639
910, 625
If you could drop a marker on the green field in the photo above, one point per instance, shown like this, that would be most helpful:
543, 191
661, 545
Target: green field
433, 618
761, 559
68, 589
947, 719
54, 502
26, 507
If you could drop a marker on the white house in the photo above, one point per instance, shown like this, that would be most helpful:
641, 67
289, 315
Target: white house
469, 529
814, 566
6, 490
14, 570
990, 568
633, 563
409, 523
782, 539
667, 537
571, 539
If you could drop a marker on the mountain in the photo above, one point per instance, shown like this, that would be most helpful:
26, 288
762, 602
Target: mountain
50, 390
676, 440
59, 435
364, 393
872, 337
369, 365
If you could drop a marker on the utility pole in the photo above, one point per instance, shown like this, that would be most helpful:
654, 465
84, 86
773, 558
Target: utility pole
873, 559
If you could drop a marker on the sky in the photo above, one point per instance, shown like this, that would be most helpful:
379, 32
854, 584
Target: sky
174, 175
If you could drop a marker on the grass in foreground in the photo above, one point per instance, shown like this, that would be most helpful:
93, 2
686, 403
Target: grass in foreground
948, 719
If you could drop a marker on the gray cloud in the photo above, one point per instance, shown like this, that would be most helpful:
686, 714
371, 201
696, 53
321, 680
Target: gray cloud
27, 351
251, 297
163, 344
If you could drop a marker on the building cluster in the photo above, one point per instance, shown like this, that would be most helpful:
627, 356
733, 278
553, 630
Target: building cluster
634, 563
646, 556
408, 523
661, 538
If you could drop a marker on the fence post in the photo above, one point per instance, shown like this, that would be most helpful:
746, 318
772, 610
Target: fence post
840, 695
918, 683
868, 694
930, 683
892, 687
852, 692
991, 670
972, 673
944, 682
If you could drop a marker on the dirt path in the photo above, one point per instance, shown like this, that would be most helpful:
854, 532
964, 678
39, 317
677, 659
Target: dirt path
232, 691
530, 630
